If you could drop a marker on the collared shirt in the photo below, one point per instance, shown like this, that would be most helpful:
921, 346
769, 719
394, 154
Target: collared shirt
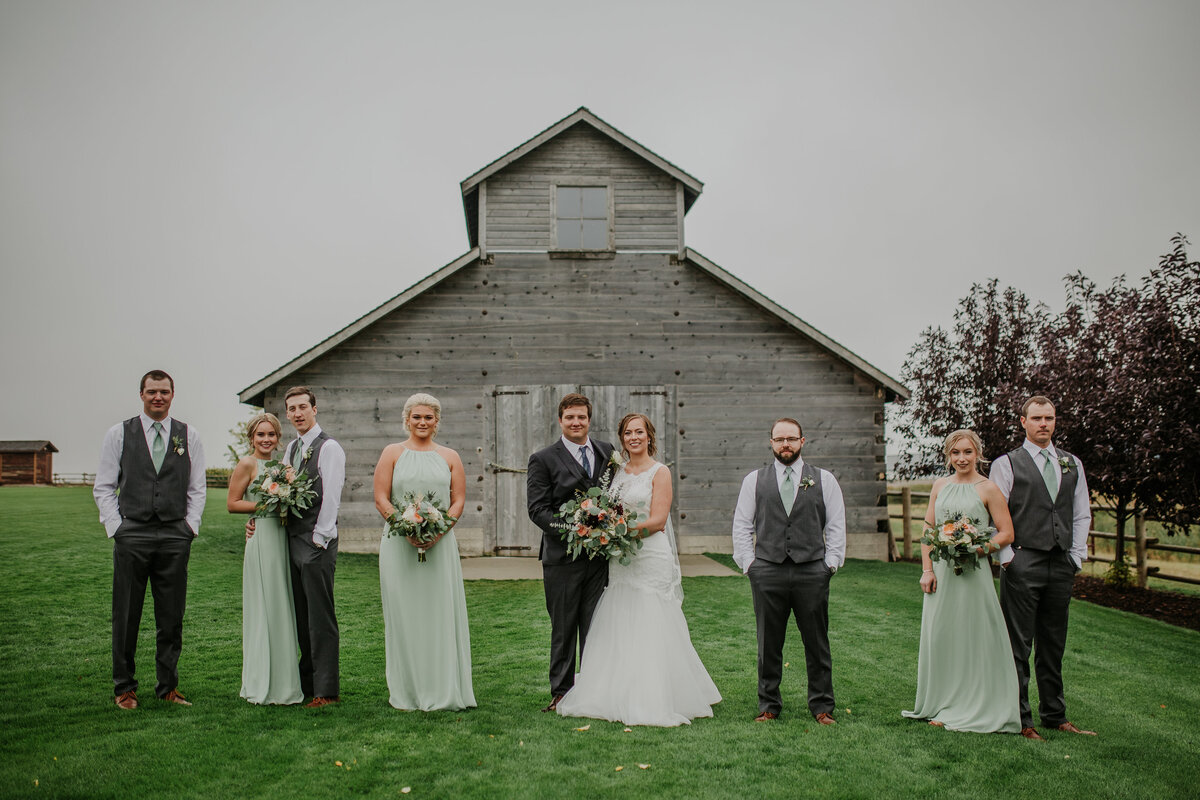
332, 469
108, 473
574, 449
835, 515
1081, 504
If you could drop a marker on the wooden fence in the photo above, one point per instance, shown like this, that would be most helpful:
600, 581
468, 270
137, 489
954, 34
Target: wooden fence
1141, 543
74, 478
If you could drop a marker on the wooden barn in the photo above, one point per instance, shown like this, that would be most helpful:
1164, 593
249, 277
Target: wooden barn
578, 278
27, 462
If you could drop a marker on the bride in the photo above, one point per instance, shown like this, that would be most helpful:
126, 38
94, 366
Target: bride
639, 666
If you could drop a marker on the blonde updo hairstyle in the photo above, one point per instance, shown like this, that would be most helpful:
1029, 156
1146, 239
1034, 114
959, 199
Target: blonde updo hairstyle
259, 419
423, 399
973, 438
651, 438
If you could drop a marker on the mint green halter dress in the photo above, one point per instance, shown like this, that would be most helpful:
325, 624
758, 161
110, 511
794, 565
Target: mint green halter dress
427, 640
966, 678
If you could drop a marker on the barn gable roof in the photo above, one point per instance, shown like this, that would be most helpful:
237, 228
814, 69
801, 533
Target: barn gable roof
27, 446
254, 393
692, 187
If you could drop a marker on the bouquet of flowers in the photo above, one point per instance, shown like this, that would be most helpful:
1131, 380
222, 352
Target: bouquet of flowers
955, 541
421, 517
597, 524
283, 491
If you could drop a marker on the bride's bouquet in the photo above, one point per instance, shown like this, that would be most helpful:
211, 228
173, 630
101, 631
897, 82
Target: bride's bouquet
421, 517
283, 491
598, 525
955, 541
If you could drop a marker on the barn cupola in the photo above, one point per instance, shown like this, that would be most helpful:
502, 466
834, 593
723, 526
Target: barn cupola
579, 189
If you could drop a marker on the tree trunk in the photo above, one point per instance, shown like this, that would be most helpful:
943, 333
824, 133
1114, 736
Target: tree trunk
1122, 514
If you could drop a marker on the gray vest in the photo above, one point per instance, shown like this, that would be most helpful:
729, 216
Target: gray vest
307, 521
147, 496
1040, 523
799, 536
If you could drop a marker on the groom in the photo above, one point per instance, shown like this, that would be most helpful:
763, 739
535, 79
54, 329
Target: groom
572, 464
1051, 513
313, 546
789, 537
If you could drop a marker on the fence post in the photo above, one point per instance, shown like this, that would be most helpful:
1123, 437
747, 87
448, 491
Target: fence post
1139, 532
906, 523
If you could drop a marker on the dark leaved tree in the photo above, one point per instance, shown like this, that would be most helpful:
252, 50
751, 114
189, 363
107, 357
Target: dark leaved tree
974, 376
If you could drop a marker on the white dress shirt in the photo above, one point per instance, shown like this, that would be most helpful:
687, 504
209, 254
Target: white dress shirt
835, 515
574, 449
1002, 475
332, 469
108, 473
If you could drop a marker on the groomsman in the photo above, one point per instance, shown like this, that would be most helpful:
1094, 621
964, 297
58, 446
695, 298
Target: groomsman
1051, 512
150, 490
789, 537
574, 463
313, 546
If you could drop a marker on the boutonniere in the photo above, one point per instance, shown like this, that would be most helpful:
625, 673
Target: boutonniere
806, 482
616, 459
307, 453
177, 443
1066, 463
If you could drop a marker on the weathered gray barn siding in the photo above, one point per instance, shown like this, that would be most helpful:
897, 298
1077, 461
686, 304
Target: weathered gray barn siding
518, 199
532, 319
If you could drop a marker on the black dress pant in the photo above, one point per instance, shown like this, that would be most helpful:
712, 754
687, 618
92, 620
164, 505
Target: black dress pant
316, 622
159, 556
1035, 593
780, 591
572, 592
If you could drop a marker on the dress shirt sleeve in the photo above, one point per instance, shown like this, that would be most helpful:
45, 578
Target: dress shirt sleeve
1082, 521
743, 522
332, 468
197, 483
835, 521
1001, 474
108, 473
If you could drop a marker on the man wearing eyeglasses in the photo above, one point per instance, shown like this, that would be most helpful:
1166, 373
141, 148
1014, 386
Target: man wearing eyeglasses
789, 537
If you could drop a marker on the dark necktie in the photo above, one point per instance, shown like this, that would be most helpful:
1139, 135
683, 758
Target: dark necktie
583, 459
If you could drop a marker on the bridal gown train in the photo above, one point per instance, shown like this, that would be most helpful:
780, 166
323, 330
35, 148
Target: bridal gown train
639, 666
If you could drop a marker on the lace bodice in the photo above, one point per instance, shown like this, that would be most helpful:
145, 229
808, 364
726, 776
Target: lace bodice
636, 490
655, 567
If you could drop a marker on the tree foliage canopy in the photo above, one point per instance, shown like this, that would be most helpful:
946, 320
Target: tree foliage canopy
1122, 365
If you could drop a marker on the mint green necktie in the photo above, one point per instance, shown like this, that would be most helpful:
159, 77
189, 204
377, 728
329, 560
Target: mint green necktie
297, 452
1049, 476
158, 450
787, 490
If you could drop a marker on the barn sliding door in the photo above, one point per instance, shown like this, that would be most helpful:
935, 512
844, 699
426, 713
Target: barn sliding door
524, 419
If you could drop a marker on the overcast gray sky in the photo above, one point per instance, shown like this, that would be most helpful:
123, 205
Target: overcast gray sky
172, 175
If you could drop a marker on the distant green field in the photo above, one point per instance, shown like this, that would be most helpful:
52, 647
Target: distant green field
1130, 678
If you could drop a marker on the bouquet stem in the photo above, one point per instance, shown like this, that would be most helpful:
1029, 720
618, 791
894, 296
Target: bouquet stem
421, 555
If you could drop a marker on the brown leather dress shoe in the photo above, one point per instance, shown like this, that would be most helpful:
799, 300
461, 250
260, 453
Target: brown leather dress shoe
1030, 733
825, 719
766, 716
318, 702
1069, 727
174, 696
553, 704
127, 700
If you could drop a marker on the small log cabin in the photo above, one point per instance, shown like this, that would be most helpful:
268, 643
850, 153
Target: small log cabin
578, 278
27, 462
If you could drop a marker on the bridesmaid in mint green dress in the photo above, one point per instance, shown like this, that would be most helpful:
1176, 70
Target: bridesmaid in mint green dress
966, 678
427, 641
270, 671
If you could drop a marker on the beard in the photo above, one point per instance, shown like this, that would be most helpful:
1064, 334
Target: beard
787, 460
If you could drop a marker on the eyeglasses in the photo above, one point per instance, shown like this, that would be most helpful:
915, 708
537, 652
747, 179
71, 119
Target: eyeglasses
786, 440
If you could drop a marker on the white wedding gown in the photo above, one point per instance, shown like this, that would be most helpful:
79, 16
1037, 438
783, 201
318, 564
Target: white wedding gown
639, 666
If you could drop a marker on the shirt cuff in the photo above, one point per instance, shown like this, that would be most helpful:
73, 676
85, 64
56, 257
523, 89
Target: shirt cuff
1006, 554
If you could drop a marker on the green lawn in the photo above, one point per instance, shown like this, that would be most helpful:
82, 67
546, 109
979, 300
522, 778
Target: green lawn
1132, 679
